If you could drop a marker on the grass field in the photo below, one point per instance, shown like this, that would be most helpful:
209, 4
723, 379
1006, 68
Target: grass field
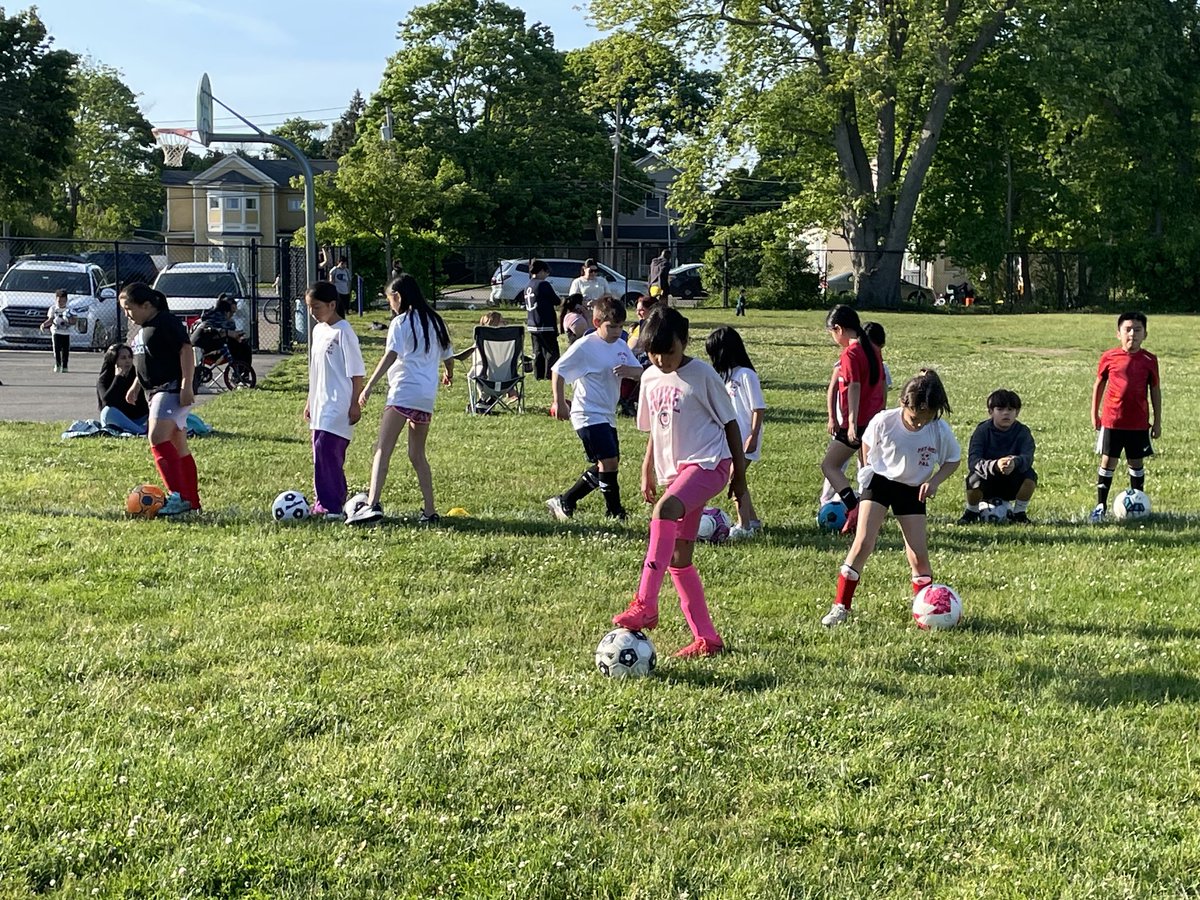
225, 707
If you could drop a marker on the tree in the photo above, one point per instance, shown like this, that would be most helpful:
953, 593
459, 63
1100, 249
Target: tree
491, 98
841, 94
36, 98
112, 184
304, 133
343, 133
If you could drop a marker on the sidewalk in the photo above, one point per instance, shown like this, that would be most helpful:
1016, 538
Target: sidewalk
33, 392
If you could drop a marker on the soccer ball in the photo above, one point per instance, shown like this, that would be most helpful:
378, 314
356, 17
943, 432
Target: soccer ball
714, 525
623, 653
1131, 504
289, 507
355, 503
832, 516
936, 607
994, 510
145, 501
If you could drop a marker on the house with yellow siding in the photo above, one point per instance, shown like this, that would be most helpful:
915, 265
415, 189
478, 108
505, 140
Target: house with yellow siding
217, 213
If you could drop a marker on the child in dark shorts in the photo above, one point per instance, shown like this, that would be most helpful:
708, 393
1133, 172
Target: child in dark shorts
1000, 460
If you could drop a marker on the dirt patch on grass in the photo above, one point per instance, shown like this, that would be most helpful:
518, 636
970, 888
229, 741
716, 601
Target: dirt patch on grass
1037, 351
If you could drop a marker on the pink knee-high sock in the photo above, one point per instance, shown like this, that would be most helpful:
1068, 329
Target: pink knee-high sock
694, 604
658, 558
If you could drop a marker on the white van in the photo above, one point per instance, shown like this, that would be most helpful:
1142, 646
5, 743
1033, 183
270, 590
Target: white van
27, 292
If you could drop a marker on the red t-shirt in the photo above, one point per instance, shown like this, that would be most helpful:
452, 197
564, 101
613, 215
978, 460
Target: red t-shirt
853, 366
1125, 403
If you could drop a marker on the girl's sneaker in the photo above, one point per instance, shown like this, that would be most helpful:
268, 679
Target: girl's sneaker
699, 647
429, 519
366, 515
837, 615
638, 617
738, 533
175, 505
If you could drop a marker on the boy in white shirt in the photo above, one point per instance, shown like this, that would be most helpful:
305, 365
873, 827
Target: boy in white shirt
596, 363
335, 380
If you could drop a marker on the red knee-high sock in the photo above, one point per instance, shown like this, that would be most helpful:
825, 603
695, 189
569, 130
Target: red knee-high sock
166, 460
191, 481
847, 582
920, 582
694, 604
658, 558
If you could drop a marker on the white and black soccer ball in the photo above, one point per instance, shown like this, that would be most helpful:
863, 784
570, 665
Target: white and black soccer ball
936, 607
623, 653
355, 503
714, 525
289, 507
994, 511
1131, 504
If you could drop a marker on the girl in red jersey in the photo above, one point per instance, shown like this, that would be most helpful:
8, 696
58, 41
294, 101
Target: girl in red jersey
861, 393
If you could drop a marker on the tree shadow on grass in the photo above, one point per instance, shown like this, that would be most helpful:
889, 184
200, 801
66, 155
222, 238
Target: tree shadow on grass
696, 674
983, 625
1142, 687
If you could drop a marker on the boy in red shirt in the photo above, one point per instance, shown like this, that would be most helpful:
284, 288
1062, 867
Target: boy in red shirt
1124, 378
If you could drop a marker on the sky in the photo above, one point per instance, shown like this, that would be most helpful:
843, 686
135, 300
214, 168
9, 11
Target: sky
267, 59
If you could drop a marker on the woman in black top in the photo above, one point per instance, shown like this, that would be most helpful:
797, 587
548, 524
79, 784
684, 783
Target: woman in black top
116, 378
166, 367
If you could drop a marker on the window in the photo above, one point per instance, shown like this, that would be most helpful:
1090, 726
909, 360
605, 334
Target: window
232, 212
653, 206
295, 204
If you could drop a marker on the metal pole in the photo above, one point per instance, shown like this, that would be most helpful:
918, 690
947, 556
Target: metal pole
616, 200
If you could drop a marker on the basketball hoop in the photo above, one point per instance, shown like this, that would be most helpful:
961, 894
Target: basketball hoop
174, 145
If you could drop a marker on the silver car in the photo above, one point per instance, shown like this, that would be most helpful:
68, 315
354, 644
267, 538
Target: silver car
512, 277
27, 292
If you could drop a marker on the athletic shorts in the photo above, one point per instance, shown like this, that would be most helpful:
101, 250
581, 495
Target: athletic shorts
900, 498
1134, 441
599, 442
694, 486
166, 405
842, 436
1000, 487
416, 416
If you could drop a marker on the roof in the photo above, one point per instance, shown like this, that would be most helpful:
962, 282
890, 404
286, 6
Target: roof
280, 171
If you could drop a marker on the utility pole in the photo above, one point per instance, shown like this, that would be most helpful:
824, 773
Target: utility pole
616, 200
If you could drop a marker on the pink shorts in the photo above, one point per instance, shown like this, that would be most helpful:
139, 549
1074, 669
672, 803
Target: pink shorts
694, 487
416, 416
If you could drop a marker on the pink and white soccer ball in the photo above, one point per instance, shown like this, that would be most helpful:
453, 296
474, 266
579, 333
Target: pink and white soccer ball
937, 607
714, 525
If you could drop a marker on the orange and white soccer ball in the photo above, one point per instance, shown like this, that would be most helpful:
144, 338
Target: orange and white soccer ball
145, 500
937, 607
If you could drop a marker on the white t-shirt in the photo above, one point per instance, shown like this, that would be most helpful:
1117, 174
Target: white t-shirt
589, 363
413, 377
340, 277
685, 413
60, 319
591, 288
746, 394
336, 359
909, 457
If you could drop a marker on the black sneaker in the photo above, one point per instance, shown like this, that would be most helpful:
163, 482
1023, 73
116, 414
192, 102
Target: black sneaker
429, 519
366, 515
969, 517
1019, 518
620, 515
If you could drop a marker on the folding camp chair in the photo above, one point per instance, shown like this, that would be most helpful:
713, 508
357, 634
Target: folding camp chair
497, 376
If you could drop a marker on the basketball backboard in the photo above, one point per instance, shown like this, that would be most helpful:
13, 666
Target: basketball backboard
204, 111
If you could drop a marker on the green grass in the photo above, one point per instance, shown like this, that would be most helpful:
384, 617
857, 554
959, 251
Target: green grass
225, 707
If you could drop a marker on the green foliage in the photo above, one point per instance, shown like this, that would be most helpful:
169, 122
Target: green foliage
37, 97
756, 252
344, 131
305, 134
112, 184
228, 707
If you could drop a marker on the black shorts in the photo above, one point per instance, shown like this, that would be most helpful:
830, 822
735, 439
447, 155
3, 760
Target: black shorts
599, 442
842, 436
1000, 487
1134, 441
900, 498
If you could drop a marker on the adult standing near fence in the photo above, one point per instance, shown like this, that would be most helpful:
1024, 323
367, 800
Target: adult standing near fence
340, 276
591, 284
660, 277
541, 306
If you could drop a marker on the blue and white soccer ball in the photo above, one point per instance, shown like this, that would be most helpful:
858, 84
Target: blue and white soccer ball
1131, 504
290, 507
623, 654
994, 511
714, 525
832, 516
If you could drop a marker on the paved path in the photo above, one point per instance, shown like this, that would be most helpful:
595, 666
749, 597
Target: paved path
33, 392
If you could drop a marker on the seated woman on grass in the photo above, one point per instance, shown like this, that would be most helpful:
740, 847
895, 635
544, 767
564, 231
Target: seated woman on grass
116, 377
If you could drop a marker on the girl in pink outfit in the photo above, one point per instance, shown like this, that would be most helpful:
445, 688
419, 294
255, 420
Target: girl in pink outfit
695, 443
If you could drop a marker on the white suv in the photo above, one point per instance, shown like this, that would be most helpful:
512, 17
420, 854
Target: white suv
512, 277
192, 288
27, 292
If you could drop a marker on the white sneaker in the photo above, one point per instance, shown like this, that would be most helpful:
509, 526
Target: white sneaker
366, 515
838, 615
1098, 514
354, 504
738, 533
559, 509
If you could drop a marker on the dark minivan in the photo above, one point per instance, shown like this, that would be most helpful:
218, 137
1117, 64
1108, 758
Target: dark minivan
125, 266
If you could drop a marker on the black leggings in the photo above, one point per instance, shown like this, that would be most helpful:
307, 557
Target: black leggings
62, 350
545, 353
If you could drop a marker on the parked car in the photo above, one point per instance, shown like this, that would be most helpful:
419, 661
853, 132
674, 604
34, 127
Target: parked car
27, 292
844, 284
686, 281
512, 277
192, 288
124, 267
